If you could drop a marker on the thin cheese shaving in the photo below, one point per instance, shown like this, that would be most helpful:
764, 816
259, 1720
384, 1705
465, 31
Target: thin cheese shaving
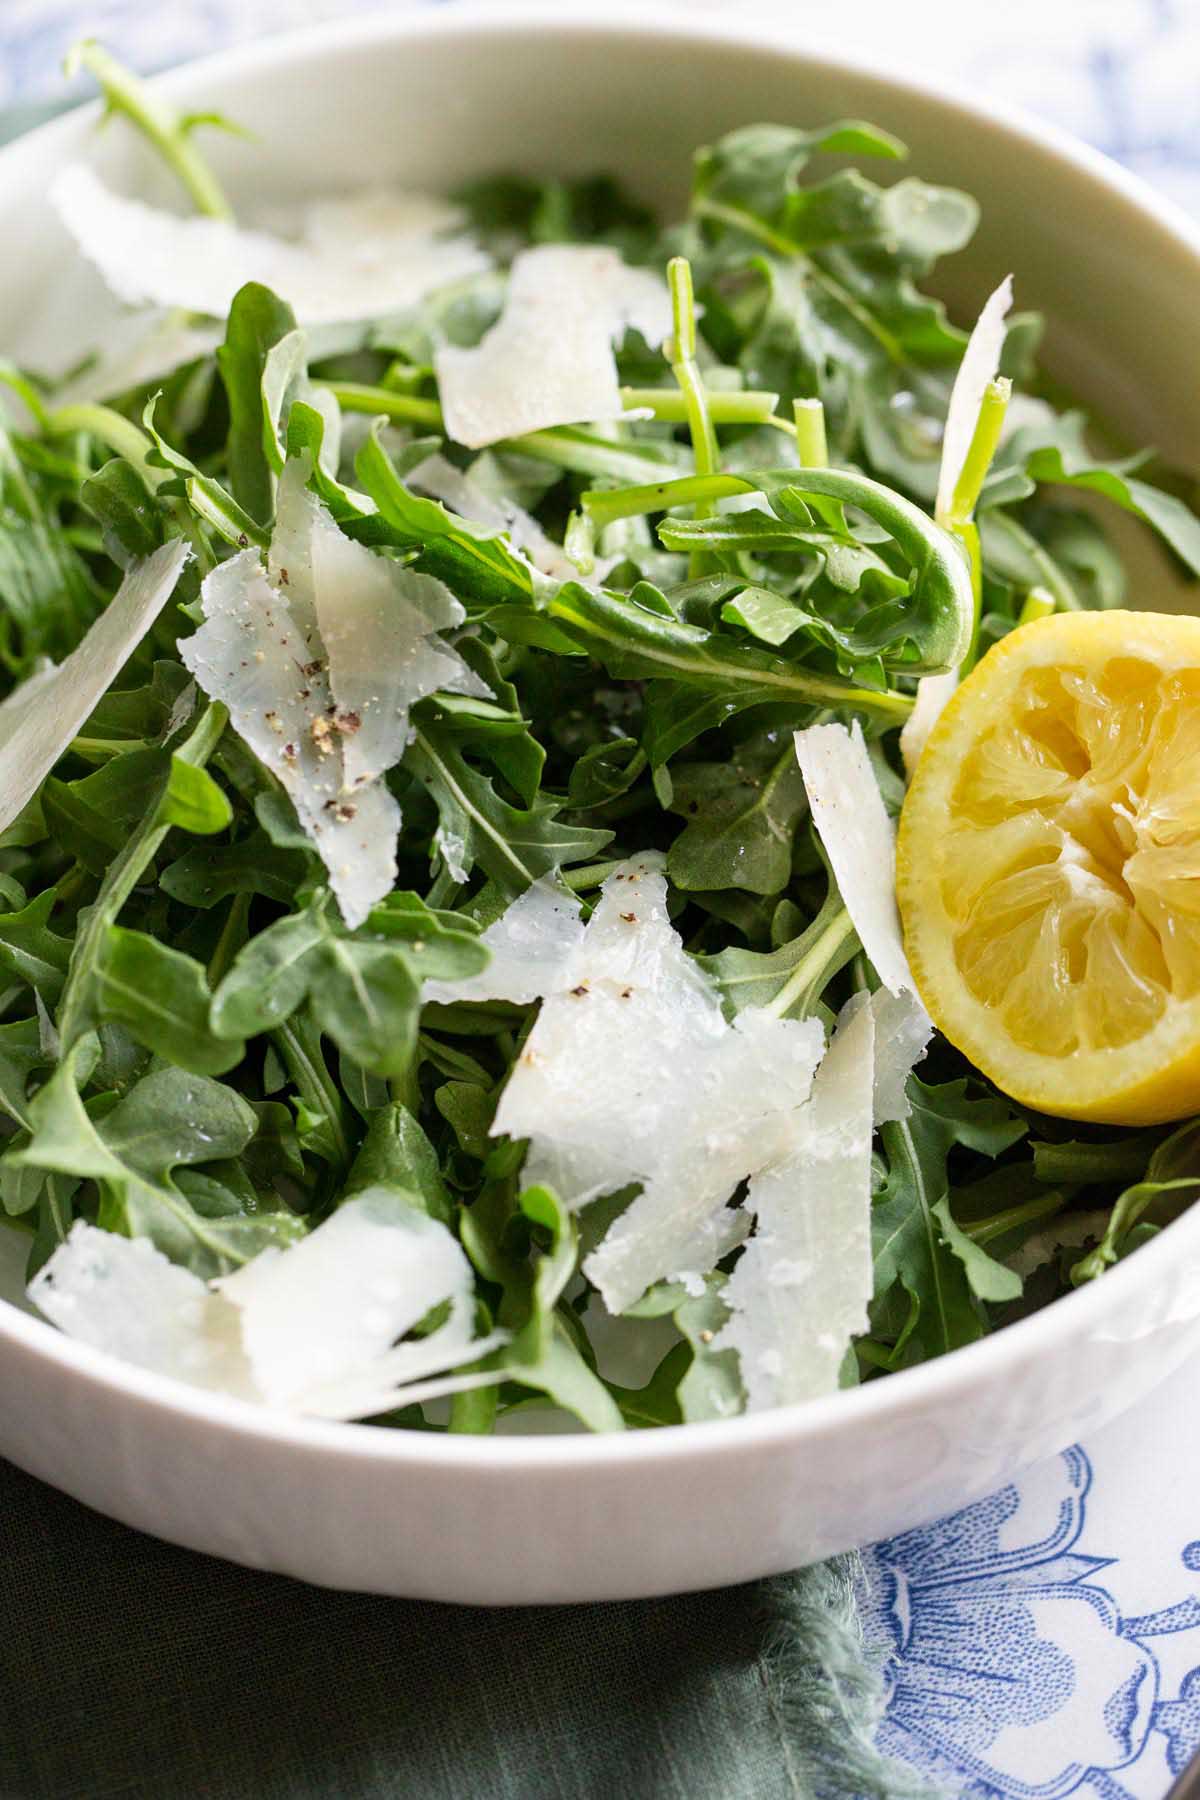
264, 659
311, 1329
531, 945
319, 659
39, 718
548, 360
934, 693
390, 253
853, 825
632, 1075
139, 349
800, 1290
122, 1295
979, 366
321, 1320
376, 623
902, 1032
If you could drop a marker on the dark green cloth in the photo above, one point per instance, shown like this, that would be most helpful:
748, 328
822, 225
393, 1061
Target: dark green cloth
132, 1669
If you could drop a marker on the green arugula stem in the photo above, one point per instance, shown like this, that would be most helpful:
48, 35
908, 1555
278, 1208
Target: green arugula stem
590, 875
123, 876
725, 406
1039, 604
985, 440
315, 1085
734, 406
113, 429
607, 505
682, 350
357, 396
155, 120
100, 750
234, 934
986, 1231
811, 442
959, 521
839, 928
1054, 577
12, 378
579, 542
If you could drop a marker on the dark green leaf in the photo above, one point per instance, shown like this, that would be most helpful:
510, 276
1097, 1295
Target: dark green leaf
257, 321
162, 998
742, 817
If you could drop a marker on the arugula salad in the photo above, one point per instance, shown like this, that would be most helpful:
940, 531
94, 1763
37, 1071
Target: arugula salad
463, 660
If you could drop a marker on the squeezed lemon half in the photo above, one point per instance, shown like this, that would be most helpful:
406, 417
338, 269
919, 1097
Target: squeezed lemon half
1048, 867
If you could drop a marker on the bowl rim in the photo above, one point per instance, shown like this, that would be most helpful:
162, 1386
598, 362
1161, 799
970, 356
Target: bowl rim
1068, 1318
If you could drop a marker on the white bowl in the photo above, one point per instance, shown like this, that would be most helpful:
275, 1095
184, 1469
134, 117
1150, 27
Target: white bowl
430, 100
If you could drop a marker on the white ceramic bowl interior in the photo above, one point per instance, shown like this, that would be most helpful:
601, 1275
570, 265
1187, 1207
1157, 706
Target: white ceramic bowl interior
429, 100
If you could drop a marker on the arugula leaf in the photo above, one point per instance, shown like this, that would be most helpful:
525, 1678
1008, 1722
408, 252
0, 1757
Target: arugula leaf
170, 1119
742, 818
513, 845
1170, 1182
258, 321
131, 523
395, 1153
910, 1242
162, 999
1062, 457
364, 988
210, 873
473, 561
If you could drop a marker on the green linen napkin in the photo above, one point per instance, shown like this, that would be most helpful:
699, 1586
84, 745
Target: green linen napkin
130, 1668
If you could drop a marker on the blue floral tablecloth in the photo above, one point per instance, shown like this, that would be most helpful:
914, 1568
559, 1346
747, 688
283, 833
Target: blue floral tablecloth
1044, 1642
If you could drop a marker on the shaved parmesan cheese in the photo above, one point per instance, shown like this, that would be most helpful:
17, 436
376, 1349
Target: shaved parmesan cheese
548, 360
902, 1032
633, 1075
933, 694
319, 659
39, 719
122, 1295
311, 1329
138, 349
439, 478
377, 624
531, 945
388, 254
848, 812
801, 1287
321, 1320
979, 366
265, 660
